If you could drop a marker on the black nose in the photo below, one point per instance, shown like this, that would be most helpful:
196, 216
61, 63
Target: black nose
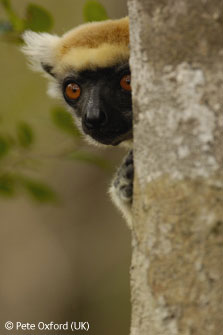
95, 119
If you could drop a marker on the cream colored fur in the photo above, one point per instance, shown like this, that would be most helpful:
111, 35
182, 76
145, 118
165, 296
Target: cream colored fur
84, 58
91, 45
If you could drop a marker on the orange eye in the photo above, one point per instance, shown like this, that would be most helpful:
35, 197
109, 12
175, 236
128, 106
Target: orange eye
126, 82
73, 91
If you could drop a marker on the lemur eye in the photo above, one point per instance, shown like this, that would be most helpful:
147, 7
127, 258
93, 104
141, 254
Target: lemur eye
72, 91
126, 82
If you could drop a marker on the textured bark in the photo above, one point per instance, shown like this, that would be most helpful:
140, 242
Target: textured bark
177, 71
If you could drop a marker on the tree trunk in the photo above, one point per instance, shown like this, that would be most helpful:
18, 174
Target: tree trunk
177, 79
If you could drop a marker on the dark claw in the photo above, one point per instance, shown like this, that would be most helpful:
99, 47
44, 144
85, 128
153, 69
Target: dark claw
127, 190
129, 159
130, 172
124, 179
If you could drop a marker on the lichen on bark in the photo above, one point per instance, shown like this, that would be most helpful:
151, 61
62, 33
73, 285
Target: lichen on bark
177, 70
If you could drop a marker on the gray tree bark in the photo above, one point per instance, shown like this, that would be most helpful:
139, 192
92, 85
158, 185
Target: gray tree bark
177, 78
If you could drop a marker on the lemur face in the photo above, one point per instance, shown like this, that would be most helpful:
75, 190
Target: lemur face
89, 68
101, 99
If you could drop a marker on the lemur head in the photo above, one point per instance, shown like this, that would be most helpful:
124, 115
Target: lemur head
89, 69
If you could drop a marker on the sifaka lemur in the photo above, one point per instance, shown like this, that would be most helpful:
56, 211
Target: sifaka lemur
88, 68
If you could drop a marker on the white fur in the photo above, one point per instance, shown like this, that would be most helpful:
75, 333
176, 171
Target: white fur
40, 48
54, 89
123, 205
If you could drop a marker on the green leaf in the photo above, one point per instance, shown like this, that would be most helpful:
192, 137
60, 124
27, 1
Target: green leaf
5, 27
90, 158
16, 22
38, 18
39, 191
63, 120
25, 134
7, 186
4, 147
5, 4
94, 11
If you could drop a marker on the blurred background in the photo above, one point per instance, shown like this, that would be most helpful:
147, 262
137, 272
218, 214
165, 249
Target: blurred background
68, 259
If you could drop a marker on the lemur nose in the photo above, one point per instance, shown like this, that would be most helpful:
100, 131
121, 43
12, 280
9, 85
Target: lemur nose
95, 119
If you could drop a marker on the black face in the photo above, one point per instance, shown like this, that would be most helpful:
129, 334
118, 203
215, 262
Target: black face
102, 99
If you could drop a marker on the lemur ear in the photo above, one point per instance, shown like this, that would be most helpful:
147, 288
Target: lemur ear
41, 50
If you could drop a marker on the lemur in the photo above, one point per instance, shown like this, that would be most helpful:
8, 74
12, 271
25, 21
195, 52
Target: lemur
88, 68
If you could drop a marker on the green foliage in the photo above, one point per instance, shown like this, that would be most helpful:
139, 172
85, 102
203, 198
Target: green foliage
7, 185
38, 19
15, 150
64, 121
5, 3
9, 181
16, 22
39, 191
25, 134
94, 11
90, 158
4, 147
